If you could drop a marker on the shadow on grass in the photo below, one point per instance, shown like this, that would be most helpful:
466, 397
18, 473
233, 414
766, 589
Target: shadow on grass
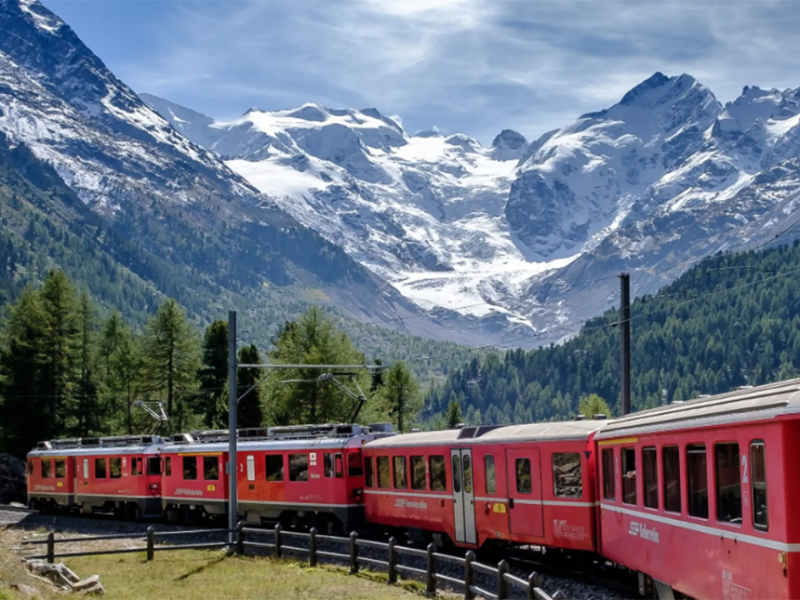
201, 568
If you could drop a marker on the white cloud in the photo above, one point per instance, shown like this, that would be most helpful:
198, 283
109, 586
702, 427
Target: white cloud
470, 65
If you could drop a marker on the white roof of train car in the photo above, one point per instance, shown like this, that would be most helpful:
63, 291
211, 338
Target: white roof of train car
740, 406
532, 432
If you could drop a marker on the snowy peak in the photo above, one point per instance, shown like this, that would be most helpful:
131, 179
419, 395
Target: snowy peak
509, 145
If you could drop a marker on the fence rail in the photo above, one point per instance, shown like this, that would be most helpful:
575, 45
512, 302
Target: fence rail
530, 588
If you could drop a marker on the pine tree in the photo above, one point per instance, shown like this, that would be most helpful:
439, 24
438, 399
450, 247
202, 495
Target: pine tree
172, 355
110, 338
592, 405
453, 414
402, 394
124, 380
213, 376
250, 412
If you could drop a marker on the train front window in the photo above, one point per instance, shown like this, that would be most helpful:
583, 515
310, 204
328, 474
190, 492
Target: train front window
400, 473
697, 480
438, 475
384, 472
523, 468
210, 468
629, 475
418, 473
61, 469
728, 483
758, 483
354, 465
153, 465
190, 468
491, 481
670, 456
298, 467
274, 467
567, 478
609, 490
650, 475
46, 473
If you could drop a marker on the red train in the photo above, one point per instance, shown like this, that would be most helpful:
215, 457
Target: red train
696, 497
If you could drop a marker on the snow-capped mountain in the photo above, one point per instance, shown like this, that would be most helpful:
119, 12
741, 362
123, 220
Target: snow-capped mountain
658, 180
190, 214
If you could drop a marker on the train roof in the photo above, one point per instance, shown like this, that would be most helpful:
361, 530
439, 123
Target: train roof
111, 445
468, 436
743, 405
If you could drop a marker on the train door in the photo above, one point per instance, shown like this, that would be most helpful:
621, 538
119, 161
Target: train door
463, 496
525, 492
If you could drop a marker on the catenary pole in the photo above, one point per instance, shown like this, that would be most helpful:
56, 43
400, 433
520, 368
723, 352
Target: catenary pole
625, 341
233, 512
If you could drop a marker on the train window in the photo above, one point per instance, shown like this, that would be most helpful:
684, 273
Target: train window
61, 469
298, 467
488, 467
190, 467
46, 464
609, 490
328, 464
650, 475
30, 467
274, 465
153, 465
369, 479
524, 476
354, 465
466, 463
456, 473
338, 465
168, 466
697, 480
758, 483
418, 473
400, 482
438, 476
384, 472
629, 475
99, 468
135, 469
250, 461
567, 479
115, 467
670, 457
210, 468
728, 483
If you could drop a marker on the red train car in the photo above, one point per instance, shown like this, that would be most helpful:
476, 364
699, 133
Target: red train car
520, 484
297, 475
699, 497
110, 474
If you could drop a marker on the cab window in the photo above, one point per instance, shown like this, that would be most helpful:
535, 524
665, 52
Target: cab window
190, 468
210, 468
61, 469
46, 464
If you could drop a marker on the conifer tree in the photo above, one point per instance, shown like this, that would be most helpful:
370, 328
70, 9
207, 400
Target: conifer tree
124, 381
402, 394
213, 376
453, 414
250, 411
88, 419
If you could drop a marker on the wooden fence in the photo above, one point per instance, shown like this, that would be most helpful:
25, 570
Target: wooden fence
277, 545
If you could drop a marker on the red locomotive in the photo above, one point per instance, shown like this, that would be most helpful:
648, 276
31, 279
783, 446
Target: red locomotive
519, 484
698, 496
111, 474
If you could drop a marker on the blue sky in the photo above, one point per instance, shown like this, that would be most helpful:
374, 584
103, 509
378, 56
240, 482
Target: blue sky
470, 66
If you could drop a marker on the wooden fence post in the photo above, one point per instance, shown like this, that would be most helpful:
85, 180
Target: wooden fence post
353, 553
240, 538
278, 550
312, 548
392, 560
151, 542
51, 547
469, 575
534, 581
502, 584
430, 576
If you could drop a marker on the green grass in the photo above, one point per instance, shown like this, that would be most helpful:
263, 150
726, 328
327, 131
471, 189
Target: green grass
197, 575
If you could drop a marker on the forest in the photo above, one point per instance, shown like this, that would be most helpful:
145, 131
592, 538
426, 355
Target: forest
732, 320
65, 372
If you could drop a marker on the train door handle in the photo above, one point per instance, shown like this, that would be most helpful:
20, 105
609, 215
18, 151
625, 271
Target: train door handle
510, 503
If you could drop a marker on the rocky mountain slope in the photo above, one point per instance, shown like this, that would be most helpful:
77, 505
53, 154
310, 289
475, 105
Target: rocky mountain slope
508, 234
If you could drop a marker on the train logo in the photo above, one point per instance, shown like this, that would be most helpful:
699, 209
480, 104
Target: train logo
641, 530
